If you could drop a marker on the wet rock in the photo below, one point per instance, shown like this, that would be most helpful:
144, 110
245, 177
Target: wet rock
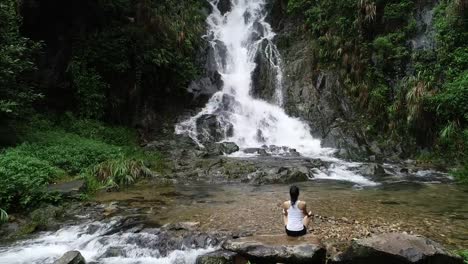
212, 129
204, 88
45, 218
217, 257
278, 249
113, 252
229, 147
182, 226
397, 248
71, 257
218, 149
264, 76
67, 189
259, 151
373, 169
279, 175
224, 6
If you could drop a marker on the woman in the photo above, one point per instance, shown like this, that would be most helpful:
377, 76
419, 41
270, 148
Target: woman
295, 216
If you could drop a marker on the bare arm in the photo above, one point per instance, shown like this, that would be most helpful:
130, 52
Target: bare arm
304, 210
285, 207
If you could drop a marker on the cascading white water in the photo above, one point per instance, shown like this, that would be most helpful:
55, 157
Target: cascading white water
236, 38
96, 246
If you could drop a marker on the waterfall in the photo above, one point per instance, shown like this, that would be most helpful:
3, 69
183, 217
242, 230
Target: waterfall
236, 38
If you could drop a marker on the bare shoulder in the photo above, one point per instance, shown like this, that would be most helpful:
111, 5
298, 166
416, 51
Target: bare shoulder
286, 205
302, 204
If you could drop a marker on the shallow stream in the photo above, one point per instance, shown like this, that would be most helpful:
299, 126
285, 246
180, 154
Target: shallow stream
342, 212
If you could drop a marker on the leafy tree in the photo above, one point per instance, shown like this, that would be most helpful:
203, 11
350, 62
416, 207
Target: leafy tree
16, 64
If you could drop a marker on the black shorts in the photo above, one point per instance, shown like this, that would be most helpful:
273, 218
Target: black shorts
296, 233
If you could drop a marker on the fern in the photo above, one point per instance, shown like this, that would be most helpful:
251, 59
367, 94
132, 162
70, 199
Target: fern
3, 216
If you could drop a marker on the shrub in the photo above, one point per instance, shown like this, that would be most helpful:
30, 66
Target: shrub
461, 174
92, 129
116, 173
451, 102
90, 90
464, 254
3, 216
23, 179
69, 152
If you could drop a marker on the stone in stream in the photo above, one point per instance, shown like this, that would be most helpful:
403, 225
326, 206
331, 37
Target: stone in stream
218, 257
71, 257
278, 249
373, 169
229, 147
259, 151
396, 248
282, 175
218, 149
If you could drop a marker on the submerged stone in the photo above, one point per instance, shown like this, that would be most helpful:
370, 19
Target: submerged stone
71, 257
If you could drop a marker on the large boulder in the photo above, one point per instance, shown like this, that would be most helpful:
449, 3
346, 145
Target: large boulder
373, 169
71, 257
397, 248
218, 257
283, 175
224, 6
218, 149
210, 128
278, 249
229, 147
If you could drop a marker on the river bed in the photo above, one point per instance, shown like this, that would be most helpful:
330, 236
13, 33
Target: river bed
342, 212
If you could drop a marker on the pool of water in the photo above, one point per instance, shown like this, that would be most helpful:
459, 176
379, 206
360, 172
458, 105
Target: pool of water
438, 211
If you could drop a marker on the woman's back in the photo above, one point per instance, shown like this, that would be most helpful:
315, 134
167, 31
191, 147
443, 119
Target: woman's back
295, 216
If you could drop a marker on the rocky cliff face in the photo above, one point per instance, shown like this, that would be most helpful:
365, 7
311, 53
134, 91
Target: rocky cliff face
319, 95
313, 94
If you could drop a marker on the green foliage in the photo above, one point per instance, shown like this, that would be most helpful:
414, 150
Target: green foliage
149, 44
92, 129
461, 174
3, 216
116, 173
452, 101
16, 53
464, 254
69, 152
23, 179
90, 89
53, 148
418, 96
398, 11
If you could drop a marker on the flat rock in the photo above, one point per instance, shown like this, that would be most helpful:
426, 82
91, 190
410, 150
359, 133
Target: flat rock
68, 189
278, 249
182, 226
71, 257
397, 248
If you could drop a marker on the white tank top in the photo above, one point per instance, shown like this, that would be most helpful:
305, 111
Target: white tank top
295, 216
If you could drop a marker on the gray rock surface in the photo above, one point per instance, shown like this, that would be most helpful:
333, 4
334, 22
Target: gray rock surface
68, 189
278, 249
218, 257
210, 129
224, 6
71, 257
397, 248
